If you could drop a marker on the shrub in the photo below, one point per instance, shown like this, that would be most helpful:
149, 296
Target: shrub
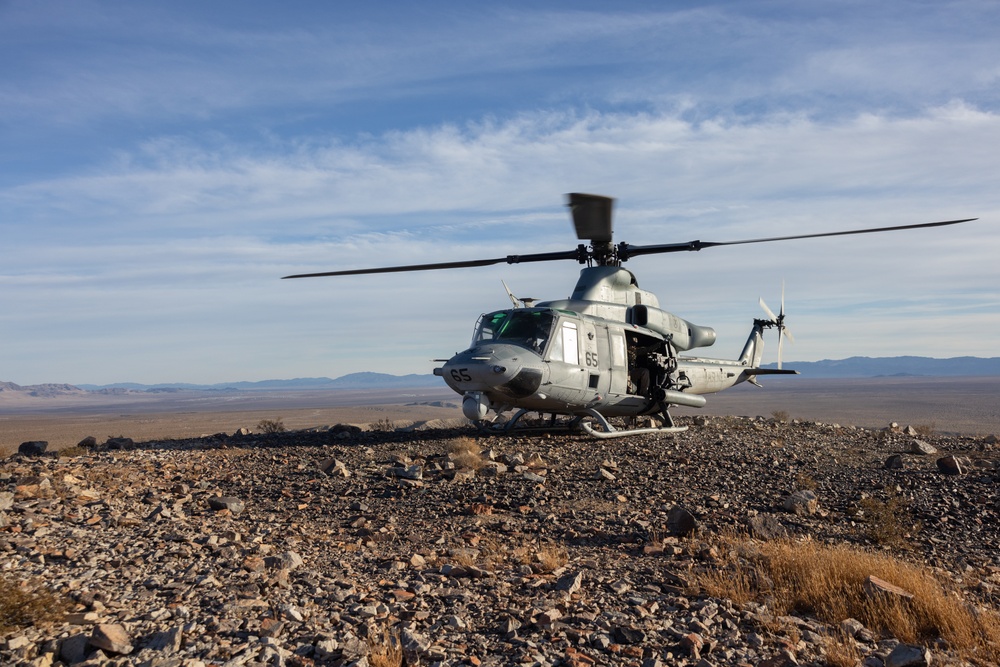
780, 416
271, 426
23, 605
885, 522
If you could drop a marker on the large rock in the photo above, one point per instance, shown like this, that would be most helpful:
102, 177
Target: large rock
922, 448
112, 638
908, 655
802, 502
219, 503
950, 465
33, 447
680, 521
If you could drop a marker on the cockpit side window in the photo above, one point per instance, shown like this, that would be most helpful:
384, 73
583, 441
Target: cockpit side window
527, 328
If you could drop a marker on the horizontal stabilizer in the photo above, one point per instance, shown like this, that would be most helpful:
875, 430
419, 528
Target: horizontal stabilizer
769, 371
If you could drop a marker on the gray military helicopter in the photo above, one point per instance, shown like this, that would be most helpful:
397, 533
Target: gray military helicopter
606, 351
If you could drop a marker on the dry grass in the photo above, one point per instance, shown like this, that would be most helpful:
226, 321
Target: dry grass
841, 651
385, 651
465, 453
805, 482
827, 581
23, 605
551, 557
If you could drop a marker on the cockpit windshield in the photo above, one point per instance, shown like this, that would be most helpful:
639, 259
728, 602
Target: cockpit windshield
527, 328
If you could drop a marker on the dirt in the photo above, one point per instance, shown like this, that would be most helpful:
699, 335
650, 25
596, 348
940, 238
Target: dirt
968, 406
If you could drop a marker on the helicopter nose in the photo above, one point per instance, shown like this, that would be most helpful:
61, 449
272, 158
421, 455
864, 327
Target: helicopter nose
515, 374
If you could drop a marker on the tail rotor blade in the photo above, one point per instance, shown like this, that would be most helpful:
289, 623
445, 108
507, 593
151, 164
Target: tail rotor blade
780, 342
767, 311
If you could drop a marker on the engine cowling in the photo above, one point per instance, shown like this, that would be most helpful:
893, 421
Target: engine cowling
683, 334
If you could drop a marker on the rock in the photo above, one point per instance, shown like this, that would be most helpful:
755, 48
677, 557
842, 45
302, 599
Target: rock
334, 468
949, 465
922, 448
73, 649
606, 475
167, 640
766, 527
411, 472
851, 627
112, 638
119, 443
894, 462
88, 443
6, 500
680, 521
802, 503
627, 635
875, 587
33, 448
286, 561
908, 655
570, 583
219, 503
693, 643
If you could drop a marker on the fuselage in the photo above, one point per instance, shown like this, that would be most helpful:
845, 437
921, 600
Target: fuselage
607, 348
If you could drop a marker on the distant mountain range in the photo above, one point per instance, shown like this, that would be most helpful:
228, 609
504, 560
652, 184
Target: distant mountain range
854, 367
364, 380
857, 367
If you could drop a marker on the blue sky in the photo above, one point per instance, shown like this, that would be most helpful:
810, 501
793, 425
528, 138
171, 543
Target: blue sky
163, 165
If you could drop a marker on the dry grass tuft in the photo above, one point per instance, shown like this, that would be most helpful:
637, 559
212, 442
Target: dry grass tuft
828, 581
465, 453
385, 651
75, 450
551, 557
781, 416
23, 605
841, 651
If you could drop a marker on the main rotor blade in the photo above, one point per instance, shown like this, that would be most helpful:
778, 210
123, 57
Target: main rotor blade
509, 259
591, 216
634, 251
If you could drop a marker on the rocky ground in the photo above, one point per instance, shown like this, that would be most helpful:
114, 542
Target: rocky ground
334, 546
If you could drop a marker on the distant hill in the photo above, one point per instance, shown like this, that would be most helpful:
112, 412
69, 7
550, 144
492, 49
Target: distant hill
895, 366
365, 380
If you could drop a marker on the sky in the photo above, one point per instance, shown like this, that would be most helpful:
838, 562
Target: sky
163, 165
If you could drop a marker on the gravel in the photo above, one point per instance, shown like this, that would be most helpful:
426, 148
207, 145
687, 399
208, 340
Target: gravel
332, 545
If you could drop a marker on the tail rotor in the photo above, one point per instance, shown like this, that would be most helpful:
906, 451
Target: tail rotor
778, 321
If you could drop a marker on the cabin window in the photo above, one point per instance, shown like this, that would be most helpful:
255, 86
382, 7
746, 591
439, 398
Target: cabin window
527, 328
570, 352
618, 350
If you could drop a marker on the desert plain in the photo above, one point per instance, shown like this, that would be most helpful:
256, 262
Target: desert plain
962, 405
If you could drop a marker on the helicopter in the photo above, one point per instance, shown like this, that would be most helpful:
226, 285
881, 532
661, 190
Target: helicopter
607, 351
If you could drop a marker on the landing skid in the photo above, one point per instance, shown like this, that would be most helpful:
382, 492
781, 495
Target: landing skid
610, 431
575, 423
